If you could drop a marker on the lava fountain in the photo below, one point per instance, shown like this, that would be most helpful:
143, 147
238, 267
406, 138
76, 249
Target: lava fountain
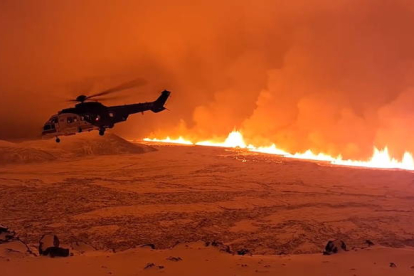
380, 158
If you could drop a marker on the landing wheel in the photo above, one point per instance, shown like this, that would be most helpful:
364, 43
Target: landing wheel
57, 140
102, 131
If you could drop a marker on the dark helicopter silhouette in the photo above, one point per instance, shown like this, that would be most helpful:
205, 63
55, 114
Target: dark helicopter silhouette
89, 114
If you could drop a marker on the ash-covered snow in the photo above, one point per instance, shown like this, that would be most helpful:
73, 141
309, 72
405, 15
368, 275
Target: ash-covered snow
85, 144
15, 153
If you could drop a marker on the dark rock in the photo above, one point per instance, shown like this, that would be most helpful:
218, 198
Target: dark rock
221, 246
243, 252
3, 229
47, 241
56, 252
150, 245
6, 235
149, 265
174, 259
334, 246
393, 265
10, 237
160, 267
369, 243
216, 243
49, 246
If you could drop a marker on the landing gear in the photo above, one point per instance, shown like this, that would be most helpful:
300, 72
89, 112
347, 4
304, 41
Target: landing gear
57, 140
102, 131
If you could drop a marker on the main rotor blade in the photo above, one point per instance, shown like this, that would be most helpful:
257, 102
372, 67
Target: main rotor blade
124, 86
111, 98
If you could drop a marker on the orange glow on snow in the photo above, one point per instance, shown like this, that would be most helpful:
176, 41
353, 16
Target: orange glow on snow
379, 159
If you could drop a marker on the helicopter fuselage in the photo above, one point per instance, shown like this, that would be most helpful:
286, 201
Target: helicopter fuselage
88, 116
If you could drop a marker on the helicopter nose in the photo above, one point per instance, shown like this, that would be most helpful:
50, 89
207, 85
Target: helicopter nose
48, 129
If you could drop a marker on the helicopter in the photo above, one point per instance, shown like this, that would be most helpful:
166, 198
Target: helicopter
89, 114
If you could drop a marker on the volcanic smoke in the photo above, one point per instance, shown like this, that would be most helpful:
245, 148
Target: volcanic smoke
333, 77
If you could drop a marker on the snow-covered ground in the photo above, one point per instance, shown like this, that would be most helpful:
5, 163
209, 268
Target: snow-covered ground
195, 259
178, 195
86, 144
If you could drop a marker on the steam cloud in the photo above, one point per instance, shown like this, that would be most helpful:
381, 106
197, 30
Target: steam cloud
332, 76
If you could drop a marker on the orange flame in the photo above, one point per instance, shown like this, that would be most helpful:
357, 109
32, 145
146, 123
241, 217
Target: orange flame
180, 140
379, 159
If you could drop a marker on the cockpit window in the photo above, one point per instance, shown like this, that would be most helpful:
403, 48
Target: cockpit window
52, 120
48, 127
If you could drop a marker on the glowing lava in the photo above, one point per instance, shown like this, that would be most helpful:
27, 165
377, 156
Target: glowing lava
379, 159
180, 140
234, 140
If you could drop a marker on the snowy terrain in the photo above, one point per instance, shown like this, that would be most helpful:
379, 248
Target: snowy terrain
91, 194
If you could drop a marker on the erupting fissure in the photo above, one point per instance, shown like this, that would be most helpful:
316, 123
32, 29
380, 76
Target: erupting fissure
380, 158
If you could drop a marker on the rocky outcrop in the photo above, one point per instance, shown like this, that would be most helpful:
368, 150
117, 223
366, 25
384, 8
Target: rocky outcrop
49, 246
6, 235
221, 246
10, 243
334, 246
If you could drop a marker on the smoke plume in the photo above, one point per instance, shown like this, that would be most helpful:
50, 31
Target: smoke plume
331, 76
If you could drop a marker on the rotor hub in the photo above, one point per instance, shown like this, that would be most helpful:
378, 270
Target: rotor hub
81, 98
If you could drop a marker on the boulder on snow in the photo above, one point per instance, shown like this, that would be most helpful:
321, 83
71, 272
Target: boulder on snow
221, 246
334, 246
243, 251
6, 235
174, 259
49, 246
369, 243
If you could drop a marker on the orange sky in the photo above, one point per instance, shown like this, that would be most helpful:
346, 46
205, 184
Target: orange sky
333, 76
